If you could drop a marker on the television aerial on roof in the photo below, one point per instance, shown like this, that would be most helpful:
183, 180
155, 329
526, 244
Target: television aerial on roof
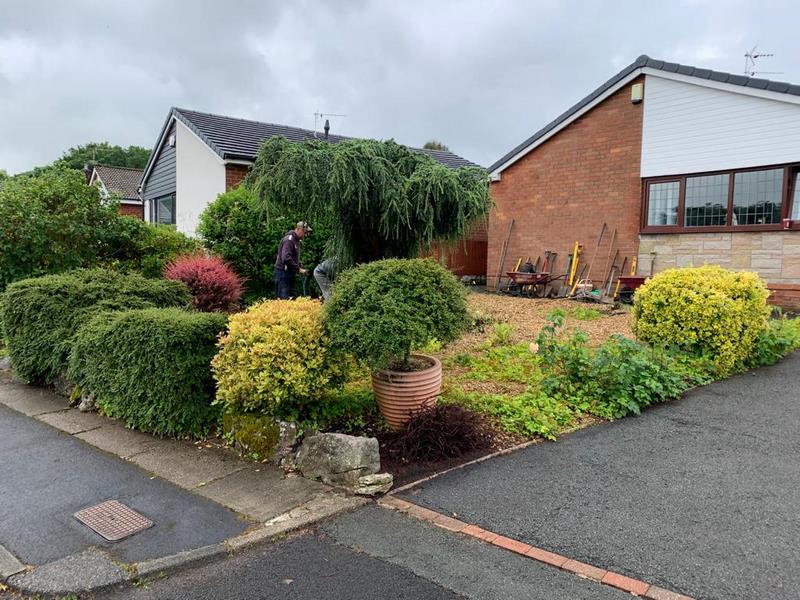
318, 116
750, 58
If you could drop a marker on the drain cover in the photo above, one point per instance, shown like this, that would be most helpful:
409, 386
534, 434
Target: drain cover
113, 520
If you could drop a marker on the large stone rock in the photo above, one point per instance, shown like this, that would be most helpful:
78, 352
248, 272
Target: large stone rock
338, 459
5, 363
87, 403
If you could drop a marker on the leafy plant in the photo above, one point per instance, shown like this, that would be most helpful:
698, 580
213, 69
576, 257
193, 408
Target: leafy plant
705, 310
381, 199
275, 361
381, 310
440, 432
214, 286
150, 368
781, 337
40, 316
236, 227
620, 377
150, 247
582, 313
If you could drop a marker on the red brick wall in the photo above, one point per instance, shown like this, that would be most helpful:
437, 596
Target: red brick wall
786, 295
234, 175
565, 189
132, 210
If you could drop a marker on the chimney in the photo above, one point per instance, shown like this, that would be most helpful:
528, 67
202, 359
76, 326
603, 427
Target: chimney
327, 128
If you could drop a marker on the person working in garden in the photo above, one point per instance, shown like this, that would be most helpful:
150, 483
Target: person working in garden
324, 273
287, 263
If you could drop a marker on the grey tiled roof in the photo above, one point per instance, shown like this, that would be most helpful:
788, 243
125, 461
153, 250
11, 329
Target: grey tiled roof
120, 180
652, 63
233, 138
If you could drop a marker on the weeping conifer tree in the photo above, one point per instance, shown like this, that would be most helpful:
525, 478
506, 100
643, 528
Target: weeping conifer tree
381, 199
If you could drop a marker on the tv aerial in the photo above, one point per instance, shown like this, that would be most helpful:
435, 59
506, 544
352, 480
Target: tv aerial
318, 116
750, 58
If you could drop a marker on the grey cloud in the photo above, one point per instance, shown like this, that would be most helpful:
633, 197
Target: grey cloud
480, 76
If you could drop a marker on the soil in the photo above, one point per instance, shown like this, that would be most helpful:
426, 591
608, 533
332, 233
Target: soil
527, 316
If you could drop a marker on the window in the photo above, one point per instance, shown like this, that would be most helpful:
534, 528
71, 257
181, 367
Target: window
757, 197
663, 206
706, 201
742, 199
165, 210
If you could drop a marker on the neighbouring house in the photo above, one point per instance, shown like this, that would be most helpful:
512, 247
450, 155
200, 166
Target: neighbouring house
690, 166
123, 183
198, 156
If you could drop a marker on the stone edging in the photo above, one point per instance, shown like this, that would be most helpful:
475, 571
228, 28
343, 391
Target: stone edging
597, 574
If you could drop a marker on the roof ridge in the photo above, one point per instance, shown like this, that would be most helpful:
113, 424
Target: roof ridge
118, 167
219, 116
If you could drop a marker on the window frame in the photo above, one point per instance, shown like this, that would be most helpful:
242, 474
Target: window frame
786, 202
156, 202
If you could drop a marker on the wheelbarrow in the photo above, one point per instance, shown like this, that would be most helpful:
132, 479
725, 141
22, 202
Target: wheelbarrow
631, 283
530, 284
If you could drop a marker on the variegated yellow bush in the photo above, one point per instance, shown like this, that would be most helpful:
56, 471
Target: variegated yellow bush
275, 361
709, 310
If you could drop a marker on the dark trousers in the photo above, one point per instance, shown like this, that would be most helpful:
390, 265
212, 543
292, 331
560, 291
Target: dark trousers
284, 284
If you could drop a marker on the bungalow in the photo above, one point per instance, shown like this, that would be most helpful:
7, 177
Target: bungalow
688, 165
122, 182
198, 156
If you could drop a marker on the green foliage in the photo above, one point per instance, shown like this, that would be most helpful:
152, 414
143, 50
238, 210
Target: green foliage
501, 335
435, 145
529, 413
236, 227
275, 361
618, 378
705, 310
150, 368
150, 247
381, 310
103, 153
582, 313
380, 198
41, 315
779, 339
53, 223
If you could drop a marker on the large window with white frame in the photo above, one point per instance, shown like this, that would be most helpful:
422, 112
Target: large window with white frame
756, 199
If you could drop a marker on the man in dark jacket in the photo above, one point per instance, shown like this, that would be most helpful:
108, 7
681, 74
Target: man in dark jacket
287, 263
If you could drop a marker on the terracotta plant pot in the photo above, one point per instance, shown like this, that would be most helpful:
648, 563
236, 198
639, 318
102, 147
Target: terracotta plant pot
400, 394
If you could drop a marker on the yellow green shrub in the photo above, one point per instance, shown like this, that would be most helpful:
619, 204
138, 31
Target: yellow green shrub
707, 310
275, 361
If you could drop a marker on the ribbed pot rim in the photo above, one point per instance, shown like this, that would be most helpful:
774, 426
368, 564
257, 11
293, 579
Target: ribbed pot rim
399, 376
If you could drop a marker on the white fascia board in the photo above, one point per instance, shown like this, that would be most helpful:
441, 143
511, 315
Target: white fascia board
726, 87
573, 117
244, 163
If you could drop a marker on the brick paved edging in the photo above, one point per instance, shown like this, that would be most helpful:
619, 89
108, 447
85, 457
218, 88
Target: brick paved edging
610, 578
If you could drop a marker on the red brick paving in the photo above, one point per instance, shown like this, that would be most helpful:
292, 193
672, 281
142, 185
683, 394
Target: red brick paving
621, 582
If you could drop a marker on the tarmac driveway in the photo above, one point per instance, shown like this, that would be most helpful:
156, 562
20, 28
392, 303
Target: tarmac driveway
700, 496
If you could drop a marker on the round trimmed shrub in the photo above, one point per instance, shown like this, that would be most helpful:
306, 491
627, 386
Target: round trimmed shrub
275, 360
380, 311
214, 286
707, 310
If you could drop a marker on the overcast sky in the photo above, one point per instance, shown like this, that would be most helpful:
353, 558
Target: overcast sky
479, 75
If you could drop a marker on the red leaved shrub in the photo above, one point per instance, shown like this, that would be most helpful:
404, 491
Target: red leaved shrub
215, 287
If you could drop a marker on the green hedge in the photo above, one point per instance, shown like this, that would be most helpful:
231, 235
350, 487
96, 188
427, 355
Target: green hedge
151, 368
41, 315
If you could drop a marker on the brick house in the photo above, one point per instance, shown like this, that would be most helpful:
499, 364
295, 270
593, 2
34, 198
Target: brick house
689, 166
199, 155
123, 183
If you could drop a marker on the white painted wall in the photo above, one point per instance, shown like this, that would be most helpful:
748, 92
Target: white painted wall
690, 128
199, 178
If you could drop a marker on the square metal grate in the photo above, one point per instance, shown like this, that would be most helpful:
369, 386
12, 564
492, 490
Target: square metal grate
113, 520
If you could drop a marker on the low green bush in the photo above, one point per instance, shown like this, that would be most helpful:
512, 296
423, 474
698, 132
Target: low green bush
275, 361
618, 378
704, 310
150, 368
382, 310
41, 315
781, 337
